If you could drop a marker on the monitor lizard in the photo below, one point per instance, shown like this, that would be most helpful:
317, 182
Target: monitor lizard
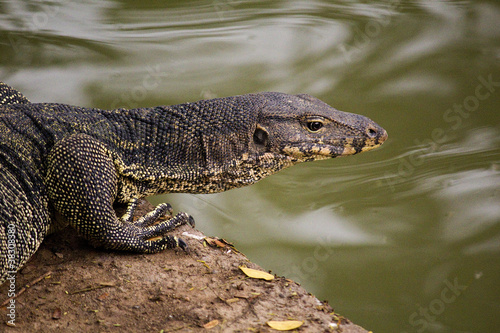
75, 162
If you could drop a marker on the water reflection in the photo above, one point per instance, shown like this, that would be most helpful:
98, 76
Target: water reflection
471, 203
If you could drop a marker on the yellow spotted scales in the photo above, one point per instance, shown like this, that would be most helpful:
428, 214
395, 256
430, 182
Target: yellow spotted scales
76, 162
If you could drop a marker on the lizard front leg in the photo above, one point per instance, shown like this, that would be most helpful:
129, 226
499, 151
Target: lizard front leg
162, 210
81, 182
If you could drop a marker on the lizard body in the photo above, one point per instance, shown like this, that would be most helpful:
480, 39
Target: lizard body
58, 159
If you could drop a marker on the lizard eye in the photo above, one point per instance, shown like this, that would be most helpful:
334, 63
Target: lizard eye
314, 126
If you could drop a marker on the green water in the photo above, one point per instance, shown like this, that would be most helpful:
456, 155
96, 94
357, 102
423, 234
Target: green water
402, 239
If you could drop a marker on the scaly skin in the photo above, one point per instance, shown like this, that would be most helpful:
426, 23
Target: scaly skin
77, 162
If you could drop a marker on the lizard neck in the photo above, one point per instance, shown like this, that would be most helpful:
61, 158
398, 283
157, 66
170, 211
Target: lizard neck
202, 147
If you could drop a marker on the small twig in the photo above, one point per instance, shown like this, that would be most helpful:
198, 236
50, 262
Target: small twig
84, 290
23, 289
90, 288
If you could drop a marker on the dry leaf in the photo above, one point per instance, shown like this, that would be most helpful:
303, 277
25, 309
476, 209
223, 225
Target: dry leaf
211, 324
232, 300
285, 325
103, 296
253, 273
241, 295
217, 242
220, 243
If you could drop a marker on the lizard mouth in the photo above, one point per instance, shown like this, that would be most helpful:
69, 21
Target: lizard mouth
320, 149
375, 137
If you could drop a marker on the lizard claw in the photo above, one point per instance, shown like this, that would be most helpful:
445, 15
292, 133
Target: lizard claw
191, 221
182, 244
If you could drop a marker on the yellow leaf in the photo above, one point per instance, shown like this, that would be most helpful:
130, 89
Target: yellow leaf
253, 273
285, 325
211, 324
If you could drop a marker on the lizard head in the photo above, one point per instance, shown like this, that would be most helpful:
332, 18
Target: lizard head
305, 128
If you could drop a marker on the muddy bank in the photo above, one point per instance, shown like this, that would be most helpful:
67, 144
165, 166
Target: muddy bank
81, 289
